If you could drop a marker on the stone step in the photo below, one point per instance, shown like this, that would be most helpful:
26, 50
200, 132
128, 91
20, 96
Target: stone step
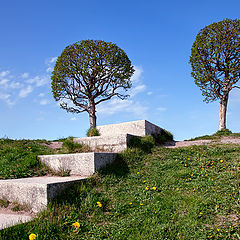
78, 163
10, 219
106, 143
35, 192
137, 128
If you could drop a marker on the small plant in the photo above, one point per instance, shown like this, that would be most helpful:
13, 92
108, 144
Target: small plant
69, 146
165, 136
225, 132
93, 132
4, 202
144, 143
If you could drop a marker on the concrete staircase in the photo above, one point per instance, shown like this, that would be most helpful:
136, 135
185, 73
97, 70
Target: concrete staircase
36, 192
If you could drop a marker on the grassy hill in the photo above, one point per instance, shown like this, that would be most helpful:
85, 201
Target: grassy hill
158, 193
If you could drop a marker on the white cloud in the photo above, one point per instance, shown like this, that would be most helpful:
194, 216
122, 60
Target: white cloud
25, 91
52, 60
4, 74
137, 74
39, 81
4, 82
41, 94
44, 102
25, 75
161, 109
135, 90
49, 69
15, 85
73, 119
117, 105
4, 96
149, 93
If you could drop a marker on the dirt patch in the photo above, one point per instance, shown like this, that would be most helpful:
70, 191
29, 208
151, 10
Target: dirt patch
177, 144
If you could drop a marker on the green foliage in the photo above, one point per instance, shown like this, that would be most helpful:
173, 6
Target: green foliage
215, 59
217, 135
145, 144
4, 202
186, 193
69, 146
93, 132
225, 132
90, 72
19, 158
165, 136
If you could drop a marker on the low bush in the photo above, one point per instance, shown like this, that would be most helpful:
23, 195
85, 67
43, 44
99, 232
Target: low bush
93, 132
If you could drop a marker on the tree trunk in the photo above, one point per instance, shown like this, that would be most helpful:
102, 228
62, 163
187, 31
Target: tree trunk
222, 112
92, 115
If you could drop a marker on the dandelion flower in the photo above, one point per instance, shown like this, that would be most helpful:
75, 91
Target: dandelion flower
147, 188
99, 204
32, 236
221, 160
154, 188
138, 172
130, 203
185, 165
144, 181
218, 229
76, 225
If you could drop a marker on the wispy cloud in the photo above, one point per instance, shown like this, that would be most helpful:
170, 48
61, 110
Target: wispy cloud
24, 92
4, 74
44, 102
131, 105
161, 109
73, 119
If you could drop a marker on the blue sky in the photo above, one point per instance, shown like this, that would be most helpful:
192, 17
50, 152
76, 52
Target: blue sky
157, 37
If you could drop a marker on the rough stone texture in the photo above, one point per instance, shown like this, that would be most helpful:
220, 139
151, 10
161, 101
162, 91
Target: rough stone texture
35, 191
8, 220
106, 143
137, 128
83, 164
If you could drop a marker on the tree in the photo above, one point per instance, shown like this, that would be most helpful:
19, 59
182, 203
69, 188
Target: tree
90, 72
215, 61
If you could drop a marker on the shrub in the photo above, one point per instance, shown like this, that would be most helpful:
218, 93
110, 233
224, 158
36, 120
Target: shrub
225, 132
144, 143
93, 132
71, 147
165, 136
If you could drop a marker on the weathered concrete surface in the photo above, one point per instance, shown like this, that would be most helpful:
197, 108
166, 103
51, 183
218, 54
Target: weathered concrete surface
137, 128
78, 163
114, 143
35, 192
8, 220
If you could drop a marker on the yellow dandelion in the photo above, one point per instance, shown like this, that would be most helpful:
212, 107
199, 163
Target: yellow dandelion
32, 236
218, 229
177, 189
154, 188
144, 181
130, 203
99, 204
138, 172
201, 213
147, 188
141, 204
76, 225
221, 160
189, 158
185, 165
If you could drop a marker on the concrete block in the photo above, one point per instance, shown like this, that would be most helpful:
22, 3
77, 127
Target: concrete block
8, 220
83, 164
137, 128
36, 192
110, 143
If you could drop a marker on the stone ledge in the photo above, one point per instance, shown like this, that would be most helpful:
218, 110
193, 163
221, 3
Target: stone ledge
84, 164
35, 192
137, 128
106, 143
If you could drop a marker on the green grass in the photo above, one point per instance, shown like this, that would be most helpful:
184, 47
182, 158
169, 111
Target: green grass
217, 135
196, 197
18, 158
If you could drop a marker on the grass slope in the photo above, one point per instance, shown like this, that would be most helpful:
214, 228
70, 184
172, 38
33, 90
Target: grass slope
186, 193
